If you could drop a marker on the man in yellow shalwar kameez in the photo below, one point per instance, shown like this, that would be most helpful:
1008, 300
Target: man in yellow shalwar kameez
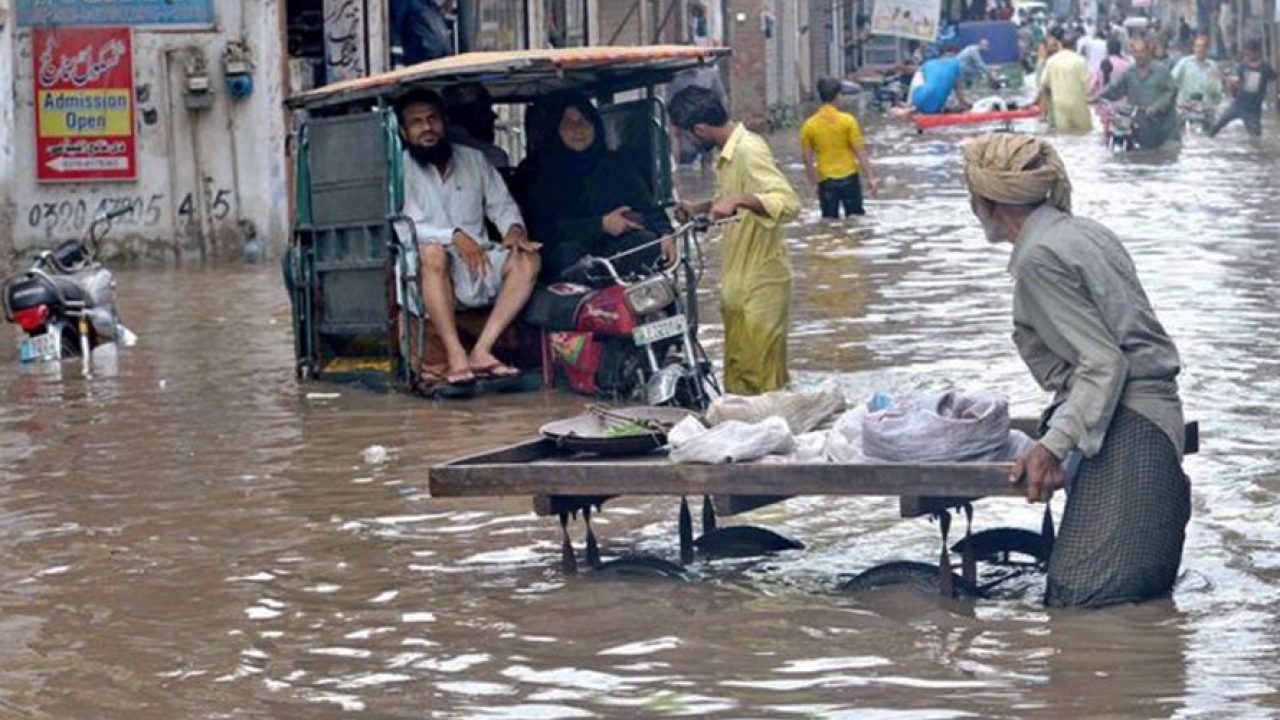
755, 294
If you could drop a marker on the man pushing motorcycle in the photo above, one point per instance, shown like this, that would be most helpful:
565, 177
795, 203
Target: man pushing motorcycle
755, 295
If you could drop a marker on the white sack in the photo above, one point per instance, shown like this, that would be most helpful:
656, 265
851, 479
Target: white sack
810, 449
844, 439
803, 411
945, 427
734, 441
685, 430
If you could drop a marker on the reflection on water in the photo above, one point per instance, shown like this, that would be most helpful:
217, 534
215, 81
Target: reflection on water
193, 534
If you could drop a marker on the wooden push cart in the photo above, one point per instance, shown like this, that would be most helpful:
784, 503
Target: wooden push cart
564, 483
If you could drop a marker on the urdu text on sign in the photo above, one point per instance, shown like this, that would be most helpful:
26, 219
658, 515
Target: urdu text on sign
84, 104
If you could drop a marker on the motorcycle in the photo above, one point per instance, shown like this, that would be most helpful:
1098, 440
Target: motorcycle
1197, 115
635, 332
1119, 124
65, 303
891, 91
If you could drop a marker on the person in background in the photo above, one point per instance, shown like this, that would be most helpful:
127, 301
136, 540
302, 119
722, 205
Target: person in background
938, 80
1160, 52
585, 199
1052, 44
1064, 91
834, 139
1026, 46
449, 191
473, 121
1186, 35
1253, 76
1087, 332
1112, 66
1094, 50
1197, 77
755, 294
419, 32
1150, 89
972, 66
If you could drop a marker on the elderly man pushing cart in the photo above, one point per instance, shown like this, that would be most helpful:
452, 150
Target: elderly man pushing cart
1084, 327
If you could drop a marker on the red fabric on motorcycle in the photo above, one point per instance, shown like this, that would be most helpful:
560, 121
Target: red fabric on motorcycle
607, 313
577, 354
605, 367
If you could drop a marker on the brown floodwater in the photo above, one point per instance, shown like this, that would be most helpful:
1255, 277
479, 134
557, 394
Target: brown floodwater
194, 534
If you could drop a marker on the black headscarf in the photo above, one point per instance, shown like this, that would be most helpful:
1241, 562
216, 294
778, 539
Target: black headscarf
560, 158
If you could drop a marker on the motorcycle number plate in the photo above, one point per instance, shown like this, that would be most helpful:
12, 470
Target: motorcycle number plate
39, 348
659, 330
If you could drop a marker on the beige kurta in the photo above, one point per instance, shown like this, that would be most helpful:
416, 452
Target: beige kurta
1065, 78
755, 292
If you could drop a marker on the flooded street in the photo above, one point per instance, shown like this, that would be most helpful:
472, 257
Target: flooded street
194, 534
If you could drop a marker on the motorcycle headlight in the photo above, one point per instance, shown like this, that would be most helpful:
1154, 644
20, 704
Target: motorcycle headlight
650, 296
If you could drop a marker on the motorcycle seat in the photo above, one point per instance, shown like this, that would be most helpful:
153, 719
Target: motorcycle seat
70, 290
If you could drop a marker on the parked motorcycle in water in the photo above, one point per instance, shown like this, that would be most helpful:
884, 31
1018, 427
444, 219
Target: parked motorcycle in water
635, 333
65, 303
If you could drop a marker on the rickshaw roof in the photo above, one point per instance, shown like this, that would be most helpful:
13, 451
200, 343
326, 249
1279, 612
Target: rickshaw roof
524, 75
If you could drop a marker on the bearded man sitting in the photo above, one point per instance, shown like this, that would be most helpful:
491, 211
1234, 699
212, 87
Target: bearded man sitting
449, 191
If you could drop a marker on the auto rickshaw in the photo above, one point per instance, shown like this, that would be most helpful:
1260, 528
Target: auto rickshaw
352, 269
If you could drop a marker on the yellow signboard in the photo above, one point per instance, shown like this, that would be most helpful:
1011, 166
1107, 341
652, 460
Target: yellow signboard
84, 113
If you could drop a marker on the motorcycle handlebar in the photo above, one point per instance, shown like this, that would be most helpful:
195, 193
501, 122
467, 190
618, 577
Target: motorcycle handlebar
699, 224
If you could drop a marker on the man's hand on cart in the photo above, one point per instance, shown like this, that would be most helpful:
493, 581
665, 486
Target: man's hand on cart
1042, 470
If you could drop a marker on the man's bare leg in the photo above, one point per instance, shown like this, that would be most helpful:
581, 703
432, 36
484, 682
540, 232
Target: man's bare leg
437, 294
519, 273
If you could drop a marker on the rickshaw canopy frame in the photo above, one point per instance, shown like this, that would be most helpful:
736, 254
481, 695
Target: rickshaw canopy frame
525, 75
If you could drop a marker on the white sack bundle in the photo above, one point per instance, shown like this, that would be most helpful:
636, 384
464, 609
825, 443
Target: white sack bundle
732, 441
803, 411
942, 427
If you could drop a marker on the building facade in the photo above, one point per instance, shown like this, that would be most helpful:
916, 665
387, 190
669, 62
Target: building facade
189, 129
197, 152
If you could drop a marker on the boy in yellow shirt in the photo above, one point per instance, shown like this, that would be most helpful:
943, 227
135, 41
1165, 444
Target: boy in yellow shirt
835, 138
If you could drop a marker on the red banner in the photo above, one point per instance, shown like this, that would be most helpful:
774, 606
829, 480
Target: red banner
84, 104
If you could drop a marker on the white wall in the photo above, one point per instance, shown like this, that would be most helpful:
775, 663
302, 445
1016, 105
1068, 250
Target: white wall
204, 177
7, 144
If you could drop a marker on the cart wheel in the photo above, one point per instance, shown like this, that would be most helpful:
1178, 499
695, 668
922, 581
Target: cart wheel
637, 567
743, 541
998, 545
918, 576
